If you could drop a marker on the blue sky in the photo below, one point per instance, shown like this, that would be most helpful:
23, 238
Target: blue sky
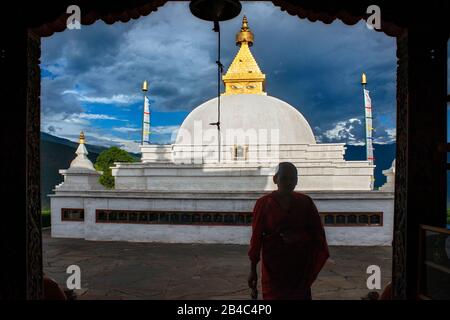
91, 77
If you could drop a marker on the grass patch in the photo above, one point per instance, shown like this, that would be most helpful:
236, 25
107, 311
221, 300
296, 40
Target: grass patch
45, 218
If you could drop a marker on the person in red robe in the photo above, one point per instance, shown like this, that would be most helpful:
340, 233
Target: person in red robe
288, 235
52, 291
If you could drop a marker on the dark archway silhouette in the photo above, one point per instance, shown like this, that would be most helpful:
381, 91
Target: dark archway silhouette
422, 31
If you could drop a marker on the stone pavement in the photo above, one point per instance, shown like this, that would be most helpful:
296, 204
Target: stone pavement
125, 270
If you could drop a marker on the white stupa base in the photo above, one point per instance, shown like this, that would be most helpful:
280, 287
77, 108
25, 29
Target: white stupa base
91, 229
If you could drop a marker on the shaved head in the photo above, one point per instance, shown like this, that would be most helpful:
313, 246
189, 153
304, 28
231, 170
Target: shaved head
286, 177
286, 166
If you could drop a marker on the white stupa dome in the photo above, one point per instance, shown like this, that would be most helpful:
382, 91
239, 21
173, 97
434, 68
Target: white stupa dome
254, 112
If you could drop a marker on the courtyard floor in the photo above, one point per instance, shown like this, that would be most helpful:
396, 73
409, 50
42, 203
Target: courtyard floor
126, 270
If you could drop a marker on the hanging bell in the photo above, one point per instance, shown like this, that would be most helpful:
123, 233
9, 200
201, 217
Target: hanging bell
215, 10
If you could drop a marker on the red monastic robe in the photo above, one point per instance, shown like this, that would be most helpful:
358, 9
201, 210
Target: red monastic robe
287, 270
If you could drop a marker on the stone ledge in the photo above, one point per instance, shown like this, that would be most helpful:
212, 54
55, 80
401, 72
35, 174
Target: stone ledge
316, 195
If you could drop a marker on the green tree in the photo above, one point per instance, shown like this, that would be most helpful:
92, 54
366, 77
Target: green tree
105, 161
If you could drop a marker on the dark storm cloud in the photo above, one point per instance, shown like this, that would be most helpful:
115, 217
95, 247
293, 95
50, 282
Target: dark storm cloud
54, 98
313, 66
103, 61
86, 48
317, 68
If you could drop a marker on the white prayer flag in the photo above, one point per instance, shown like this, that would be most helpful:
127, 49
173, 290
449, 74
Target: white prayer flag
146, 122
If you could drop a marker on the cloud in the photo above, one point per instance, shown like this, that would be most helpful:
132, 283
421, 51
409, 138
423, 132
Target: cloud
392, 133
126, 129
115, 99
110, 140
315, 67
351, 132
69, 127
109, 62
164, 134
388, 136
164, 129
353, 120
93, 116
343, 131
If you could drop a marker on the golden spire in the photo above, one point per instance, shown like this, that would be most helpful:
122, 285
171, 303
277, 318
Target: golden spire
244, 75
245, 35
145, 86
363, 79
82, 137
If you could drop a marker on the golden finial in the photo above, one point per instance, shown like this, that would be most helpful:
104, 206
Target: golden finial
244, 24
82, 137
145, 86
245, 35
243, 75
363, 79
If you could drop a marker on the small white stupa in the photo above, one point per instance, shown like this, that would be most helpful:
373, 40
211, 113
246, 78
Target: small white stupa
390, 178
81, 174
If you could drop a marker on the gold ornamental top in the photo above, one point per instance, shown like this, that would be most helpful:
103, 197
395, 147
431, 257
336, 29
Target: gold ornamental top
363, 79
82, 140
145, 86
245, 35
243, 75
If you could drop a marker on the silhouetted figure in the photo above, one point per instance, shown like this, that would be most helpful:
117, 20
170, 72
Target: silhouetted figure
387, 292
288, 234
52, 290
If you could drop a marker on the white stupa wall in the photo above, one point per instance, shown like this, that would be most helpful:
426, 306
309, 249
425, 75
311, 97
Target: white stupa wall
196, 167
253, 153
225, 202
239, 177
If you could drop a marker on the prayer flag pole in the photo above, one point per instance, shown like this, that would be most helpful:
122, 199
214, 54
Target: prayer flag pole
369, 126
145, 115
